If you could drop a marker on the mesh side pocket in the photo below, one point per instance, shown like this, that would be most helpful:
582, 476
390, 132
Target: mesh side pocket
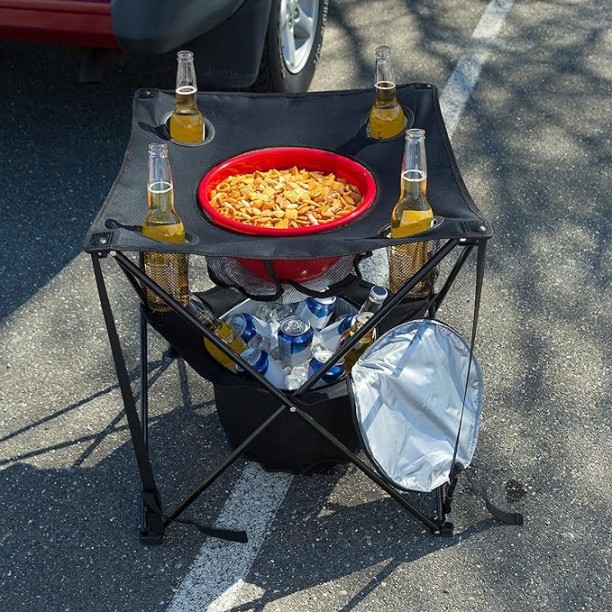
405, 260
170, 272
286, 280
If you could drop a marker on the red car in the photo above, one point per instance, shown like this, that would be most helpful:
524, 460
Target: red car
265, 45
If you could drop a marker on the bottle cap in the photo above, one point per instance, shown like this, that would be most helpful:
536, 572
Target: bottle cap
184, 55
378, 293
415, 133
383, 52
158, 149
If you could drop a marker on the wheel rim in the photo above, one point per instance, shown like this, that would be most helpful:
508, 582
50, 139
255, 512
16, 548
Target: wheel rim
298, 24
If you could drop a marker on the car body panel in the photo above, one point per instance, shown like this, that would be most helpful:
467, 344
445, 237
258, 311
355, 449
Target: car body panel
229, 56
235, 41
139, 26
76, 22
146, 26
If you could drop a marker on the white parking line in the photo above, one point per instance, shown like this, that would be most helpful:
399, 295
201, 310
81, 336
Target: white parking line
462, 81
215, 579
216, 576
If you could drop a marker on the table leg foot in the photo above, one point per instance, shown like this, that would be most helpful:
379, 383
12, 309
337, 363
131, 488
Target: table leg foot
150, 538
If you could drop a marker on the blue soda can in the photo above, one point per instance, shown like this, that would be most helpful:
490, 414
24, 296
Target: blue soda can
317, 310
295, 341
247, 325
265, 365
345, 323
320, 355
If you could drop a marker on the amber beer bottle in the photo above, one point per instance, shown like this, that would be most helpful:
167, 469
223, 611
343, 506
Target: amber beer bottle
222, 330
372, 304
386, 118
186, 123
162, 223
411, 215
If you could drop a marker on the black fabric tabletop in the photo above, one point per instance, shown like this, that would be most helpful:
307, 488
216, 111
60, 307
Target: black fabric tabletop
240, 122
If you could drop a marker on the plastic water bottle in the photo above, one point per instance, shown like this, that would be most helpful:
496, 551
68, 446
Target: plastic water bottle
265, 365
330, 336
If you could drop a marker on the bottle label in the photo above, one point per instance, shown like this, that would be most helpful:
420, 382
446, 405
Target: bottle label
412, 222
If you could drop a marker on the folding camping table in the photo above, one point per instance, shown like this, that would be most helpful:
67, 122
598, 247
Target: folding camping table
238, 122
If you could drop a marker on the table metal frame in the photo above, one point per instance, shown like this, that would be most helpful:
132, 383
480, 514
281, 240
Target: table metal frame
155, 520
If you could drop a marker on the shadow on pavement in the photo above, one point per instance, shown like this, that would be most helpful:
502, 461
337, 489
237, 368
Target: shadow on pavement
60, 154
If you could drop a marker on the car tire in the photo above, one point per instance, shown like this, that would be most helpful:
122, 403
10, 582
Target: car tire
292, 46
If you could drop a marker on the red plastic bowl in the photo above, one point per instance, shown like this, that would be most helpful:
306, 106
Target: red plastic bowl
282, 158
284, 270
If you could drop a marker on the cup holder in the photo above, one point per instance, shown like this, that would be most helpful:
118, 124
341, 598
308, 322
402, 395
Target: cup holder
385, 230
113, 224
209, 132
408, 123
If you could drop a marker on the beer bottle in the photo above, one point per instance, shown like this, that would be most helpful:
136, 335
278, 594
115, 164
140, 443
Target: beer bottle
222, 330
168, 270
386, 115
411, 215
375, 300
186, 121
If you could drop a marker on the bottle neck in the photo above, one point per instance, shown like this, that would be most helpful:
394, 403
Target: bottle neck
160, 197
414, 185
414, 165
369, 306
186, 97
384, 79
186, 84
375, 300
160, 189
204, 315
386, 93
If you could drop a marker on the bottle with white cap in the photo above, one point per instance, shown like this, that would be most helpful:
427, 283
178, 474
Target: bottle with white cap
186, 124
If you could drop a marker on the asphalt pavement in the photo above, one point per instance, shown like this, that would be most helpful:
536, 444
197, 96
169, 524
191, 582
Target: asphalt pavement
533, 143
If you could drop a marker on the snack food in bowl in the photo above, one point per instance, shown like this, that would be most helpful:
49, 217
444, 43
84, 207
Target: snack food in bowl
283, 199
286, 191
305, 191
